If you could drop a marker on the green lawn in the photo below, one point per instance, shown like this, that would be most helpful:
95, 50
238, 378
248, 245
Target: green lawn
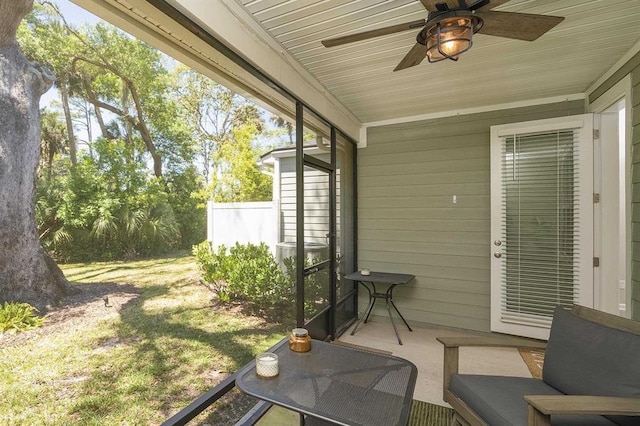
157, 346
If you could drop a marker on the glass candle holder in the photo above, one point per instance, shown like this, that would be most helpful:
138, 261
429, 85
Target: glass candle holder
300, 341
267, 365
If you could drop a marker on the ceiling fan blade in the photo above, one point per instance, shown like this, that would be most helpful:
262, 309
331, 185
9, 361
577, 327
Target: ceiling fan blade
373, 33
521, 26
430, 5
417, 53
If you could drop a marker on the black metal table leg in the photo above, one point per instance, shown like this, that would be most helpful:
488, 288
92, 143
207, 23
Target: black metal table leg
387, 300
373, 295
390, 300
368, 309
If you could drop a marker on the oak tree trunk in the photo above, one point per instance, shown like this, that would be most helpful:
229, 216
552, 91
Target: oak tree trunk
27, 272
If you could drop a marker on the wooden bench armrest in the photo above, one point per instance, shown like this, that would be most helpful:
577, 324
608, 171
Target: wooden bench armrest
490, 341
452, 356
541, 407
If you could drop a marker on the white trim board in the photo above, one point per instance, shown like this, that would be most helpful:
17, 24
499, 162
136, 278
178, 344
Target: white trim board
476, 110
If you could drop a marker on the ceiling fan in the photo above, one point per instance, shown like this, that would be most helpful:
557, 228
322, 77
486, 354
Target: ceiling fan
448, 30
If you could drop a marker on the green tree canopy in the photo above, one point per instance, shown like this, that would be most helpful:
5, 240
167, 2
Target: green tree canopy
224, 125
168, 139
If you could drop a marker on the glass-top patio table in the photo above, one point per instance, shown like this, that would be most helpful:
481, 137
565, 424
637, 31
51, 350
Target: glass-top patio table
338, 384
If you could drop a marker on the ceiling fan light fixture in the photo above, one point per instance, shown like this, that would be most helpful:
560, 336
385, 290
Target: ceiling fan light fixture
450, 34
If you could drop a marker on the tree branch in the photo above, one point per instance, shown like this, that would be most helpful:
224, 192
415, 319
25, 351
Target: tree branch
138, 124
12, 12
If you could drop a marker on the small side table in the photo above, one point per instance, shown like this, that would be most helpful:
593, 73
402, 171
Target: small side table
369, 282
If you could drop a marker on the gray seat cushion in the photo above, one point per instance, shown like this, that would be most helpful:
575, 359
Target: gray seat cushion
499, 400
586, 358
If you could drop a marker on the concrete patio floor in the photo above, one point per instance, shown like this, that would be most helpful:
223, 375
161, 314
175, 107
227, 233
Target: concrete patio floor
421, 348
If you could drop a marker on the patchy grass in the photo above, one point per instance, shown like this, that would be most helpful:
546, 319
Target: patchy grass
139, 342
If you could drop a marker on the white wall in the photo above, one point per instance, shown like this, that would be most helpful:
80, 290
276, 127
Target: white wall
255, 222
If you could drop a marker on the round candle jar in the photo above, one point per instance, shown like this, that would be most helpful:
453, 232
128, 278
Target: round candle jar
267, 365
300, 341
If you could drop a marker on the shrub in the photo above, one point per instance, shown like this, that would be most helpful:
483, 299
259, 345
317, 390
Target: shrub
16, 317
255, 275
215, 268
107, 207
247, 273
316, 289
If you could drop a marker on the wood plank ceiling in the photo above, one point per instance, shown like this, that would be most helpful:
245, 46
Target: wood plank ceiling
567, 60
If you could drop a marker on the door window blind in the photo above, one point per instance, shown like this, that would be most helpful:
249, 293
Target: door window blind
539, 225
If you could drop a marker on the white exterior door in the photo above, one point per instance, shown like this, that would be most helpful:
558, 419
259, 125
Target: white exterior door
612, 215
541, 222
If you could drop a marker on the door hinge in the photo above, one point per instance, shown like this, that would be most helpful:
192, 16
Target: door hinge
596, 133
596, 262
596, 198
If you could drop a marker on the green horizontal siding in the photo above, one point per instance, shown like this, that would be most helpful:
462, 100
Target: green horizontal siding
407, 222
426, 248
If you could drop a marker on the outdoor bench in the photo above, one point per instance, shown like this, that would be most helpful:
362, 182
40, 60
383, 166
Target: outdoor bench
591, 376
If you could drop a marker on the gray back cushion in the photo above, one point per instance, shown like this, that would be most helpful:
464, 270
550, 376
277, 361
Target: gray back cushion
586, 358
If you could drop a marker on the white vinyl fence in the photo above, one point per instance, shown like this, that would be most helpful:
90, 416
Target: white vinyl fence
254, 222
